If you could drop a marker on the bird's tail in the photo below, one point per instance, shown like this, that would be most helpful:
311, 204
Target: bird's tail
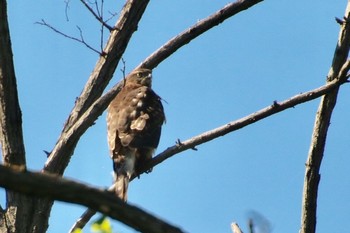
121, 186
123, 169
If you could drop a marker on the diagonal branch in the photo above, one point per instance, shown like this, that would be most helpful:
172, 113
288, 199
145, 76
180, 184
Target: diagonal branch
196, 30
191, 143
319, 135
40, 185
101, 75
105, 69
103, 72
275, 108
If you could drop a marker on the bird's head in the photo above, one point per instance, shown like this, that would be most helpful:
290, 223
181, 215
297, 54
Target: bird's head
140, 76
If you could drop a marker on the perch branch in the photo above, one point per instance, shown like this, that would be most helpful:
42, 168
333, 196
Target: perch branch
276, 107
102, 76
40, 185
196, 30
319, 135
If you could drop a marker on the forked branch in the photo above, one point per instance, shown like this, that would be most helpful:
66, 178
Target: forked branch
103, 72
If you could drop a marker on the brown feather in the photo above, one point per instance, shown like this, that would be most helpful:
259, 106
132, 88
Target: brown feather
134, 121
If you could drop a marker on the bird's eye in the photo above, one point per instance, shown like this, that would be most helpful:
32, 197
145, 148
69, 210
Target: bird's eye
139, 75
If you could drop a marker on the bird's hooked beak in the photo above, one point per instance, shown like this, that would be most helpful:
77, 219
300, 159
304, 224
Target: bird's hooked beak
147, 80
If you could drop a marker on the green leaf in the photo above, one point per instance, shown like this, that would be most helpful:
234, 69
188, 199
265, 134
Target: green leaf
102, 225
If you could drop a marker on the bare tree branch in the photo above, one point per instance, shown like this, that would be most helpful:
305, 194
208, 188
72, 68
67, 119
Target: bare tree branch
41, 185
80, 40
276, 107
83, 102
322, 122
105, 67
101, 75
199, 28
10, 113
83, 220
65, 145
97, 16
191, 143
11, 135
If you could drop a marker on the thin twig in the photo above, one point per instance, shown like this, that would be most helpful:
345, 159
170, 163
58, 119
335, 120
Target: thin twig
66, 9
123, 69
102, 26
97, 16
80, 40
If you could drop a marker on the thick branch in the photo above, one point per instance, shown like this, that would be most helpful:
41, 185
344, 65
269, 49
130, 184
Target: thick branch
322, 122
10, 112
67, 141
103, 72
40, 184
196, 30
101, 75
57, 164
191, 143
11, 136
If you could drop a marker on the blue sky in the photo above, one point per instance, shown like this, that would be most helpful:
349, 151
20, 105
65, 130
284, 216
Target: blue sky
270, 52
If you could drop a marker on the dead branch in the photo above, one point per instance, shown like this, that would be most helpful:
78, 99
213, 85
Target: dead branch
40, 185
83, 220
319, 135
274, 108
103, 72
11, 134
99, 79
196, 30
80, 40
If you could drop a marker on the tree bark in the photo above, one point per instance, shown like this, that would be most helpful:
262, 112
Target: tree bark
319, 136
101, 75
41, 185
19, 207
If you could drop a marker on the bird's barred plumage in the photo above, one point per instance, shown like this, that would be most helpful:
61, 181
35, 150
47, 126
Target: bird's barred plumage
134, 122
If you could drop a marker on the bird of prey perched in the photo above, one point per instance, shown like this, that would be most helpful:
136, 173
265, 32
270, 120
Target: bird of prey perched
134, 121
